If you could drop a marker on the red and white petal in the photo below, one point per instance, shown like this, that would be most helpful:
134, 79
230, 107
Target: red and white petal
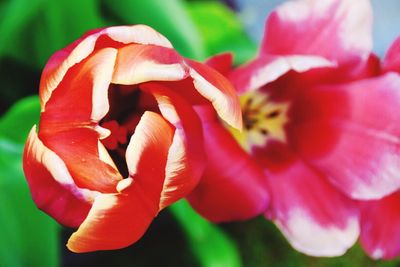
147, 155
391, 61
142, 63
233, 186
365, 160
140, 34
68, 124
63, 60
268, 68
52, 187
114, 221
336, 29
186, 155
82, 96
217, 89
380, 232
315, 218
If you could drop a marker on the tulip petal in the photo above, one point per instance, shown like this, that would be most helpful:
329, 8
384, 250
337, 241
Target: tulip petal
391, 61
334, 29
380, 233
222, 63
268, 68
52, 186
120, 219
214, 87
147, 154
185, 163
316, 218
68, 124
114, 221
141, 63
63, 60
233, 186
365, 160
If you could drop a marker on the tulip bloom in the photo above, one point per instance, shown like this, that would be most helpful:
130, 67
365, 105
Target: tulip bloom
320, 127
118, 138
380, 219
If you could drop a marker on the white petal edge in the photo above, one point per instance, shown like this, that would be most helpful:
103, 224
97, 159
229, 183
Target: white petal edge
308, 237
57, 168
281, 65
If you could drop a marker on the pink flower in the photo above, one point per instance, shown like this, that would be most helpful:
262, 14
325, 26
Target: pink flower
321, 129
380, 219
118, 138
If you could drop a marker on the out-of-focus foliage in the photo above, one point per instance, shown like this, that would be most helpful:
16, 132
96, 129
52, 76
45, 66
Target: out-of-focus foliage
168, 17
28, 236
221, 30
212, 247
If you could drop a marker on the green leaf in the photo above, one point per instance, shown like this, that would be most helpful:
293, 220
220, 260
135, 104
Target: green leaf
221, 30
14, 15
37, 35
211, 245
17, 122
63, 22
29, 237
167, 17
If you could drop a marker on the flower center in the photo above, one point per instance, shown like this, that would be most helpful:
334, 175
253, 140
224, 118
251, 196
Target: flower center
127, 105
263, 120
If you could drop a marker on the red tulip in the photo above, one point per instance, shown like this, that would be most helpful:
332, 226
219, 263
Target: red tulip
118, 138
321, 128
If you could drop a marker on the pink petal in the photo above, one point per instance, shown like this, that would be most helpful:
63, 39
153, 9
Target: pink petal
391, 61
52, 187
185, 163
336, 29
222, 63
268, 68
316, 218
233, 186
360, 132
380, 232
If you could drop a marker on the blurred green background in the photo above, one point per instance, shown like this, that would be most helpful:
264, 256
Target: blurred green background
32, 30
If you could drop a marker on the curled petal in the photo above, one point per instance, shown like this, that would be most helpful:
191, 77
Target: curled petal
82, 96
391, 61
214, 87
233, 186
68, 124
114, 221
120, 219
141, 63
147, 154
334, 29
185, 162
380, 233
316, 218
52, 186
